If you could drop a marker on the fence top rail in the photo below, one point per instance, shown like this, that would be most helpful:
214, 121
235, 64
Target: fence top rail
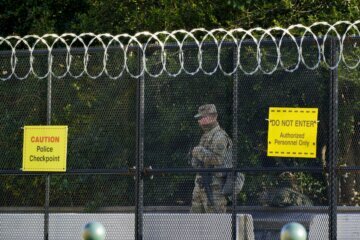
159, 171
182, 209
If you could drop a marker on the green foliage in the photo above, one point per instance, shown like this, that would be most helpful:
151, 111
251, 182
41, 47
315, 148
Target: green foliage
101, 113
287, 12
39, 17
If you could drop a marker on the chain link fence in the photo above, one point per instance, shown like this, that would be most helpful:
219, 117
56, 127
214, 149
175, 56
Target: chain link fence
130, 114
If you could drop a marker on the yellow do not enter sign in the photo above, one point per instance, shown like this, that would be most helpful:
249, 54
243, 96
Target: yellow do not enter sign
45, 148
292, 132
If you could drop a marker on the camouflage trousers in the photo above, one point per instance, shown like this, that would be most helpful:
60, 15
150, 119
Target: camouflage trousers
200, 202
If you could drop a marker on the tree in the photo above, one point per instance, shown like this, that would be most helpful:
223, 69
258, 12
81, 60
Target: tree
92, 107
131, 16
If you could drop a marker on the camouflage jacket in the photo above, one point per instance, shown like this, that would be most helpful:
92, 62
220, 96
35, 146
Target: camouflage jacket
213, 148
284, 197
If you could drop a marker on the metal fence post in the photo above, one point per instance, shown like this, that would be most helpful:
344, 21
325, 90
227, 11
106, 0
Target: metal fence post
139, 182
235, 142
47, 176
333, 142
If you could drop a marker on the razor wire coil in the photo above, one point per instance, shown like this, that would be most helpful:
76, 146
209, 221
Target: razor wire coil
145, 42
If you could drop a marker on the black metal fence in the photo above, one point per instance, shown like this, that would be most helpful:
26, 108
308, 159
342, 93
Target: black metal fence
129, 141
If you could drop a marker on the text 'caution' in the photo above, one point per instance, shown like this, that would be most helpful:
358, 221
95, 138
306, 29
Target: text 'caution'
45, 148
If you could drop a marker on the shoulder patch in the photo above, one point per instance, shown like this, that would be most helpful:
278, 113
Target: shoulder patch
220, 146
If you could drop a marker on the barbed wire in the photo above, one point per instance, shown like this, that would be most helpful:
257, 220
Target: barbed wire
263, 49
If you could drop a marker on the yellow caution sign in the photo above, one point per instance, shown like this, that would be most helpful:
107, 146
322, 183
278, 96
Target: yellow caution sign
45, 148
292, 132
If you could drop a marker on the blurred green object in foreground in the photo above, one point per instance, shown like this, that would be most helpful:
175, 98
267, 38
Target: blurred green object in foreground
94, 231
293, 231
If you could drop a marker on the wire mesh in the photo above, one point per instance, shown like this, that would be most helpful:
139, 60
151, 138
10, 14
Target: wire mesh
95, 91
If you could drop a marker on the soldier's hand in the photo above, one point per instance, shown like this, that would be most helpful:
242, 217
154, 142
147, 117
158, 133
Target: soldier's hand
196, 152
194, 162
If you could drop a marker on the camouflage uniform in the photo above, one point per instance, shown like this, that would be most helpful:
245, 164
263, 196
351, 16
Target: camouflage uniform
211, 151
284, 197
287, 193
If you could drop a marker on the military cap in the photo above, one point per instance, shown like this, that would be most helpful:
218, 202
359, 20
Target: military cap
205, 110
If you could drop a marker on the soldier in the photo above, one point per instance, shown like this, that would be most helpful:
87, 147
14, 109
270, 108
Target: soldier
286, 194
210, 153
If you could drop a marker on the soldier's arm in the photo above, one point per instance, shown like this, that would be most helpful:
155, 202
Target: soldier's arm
215, 154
